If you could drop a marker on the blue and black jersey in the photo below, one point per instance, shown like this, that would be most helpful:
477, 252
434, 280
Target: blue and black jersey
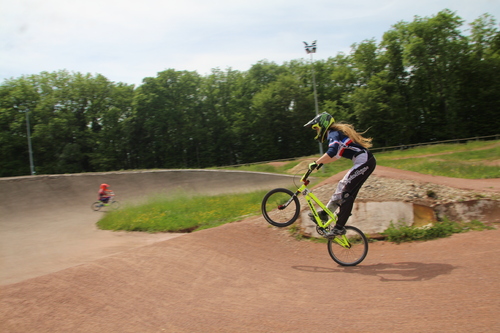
340, 145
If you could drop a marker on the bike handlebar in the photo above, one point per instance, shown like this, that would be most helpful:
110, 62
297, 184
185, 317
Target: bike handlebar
309, 171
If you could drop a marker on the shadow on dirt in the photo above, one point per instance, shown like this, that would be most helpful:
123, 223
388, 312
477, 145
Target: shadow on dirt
401, 271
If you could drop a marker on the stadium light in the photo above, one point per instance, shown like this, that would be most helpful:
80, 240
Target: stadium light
310, 49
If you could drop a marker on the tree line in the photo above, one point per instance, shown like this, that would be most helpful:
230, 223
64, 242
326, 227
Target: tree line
425, 80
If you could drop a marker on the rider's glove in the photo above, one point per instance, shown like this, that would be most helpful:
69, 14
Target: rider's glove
313, 166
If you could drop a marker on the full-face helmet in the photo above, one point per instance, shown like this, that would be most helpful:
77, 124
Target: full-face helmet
321, 123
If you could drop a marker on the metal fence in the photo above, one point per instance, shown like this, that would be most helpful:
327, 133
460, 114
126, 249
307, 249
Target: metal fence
383, 149
402, 147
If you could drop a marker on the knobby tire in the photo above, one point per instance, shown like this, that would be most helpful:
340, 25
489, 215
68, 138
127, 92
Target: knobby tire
349, 256
273, 210
96, 206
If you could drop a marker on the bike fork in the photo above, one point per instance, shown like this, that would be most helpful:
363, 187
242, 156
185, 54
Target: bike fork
342, 241
283, 206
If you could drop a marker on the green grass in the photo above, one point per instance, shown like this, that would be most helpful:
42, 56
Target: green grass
183, 213
453, 169
464, 163
402, 233
439, 149
326, 171
462, 160
256, 168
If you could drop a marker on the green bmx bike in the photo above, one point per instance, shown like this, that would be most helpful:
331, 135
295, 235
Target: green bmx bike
111, 204
281, 208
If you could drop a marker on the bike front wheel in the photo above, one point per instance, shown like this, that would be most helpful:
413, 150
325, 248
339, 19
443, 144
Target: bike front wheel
280, 207
349, 249
114, 205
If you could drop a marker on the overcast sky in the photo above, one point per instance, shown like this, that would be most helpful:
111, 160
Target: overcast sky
128, 40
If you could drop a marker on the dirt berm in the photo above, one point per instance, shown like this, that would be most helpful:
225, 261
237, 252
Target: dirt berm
240, 277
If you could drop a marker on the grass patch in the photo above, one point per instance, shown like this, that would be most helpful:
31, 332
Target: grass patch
475, 155
333, 168
439, 149
401, 233
255, 168
183, 213
265, 167
286, 168
454, 169
462, 164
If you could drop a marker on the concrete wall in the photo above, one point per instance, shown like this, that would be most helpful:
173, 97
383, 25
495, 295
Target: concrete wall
370, 217
376, 217
481, 210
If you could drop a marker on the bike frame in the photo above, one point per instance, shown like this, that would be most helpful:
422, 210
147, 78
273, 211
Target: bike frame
311, 198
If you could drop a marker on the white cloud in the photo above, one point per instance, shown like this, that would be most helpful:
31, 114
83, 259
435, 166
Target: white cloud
128, 40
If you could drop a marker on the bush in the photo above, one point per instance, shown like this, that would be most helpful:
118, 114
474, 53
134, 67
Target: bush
402, 233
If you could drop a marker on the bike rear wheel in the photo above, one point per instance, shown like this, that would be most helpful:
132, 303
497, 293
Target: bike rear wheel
280, 207
349, 249
96, 205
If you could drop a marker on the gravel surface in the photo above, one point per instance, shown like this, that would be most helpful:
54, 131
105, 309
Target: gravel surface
388, 189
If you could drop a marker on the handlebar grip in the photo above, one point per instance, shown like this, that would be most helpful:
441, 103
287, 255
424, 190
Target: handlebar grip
308, 173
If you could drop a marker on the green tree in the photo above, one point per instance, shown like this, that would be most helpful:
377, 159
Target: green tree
110, 150
65, 110
434, 53
424, 81
165, 123
278, 120
220, 106
480, 76
17, 98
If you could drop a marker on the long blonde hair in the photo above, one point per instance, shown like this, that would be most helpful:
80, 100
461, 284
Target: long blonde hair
349, 130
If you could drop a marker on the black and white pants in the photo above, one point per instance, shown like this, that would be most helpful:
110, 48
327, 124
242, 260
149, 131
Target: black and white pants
348, 187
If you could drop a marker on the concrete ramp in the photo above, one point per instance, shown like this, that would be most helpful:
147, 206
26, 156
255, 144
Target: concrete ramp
46, 223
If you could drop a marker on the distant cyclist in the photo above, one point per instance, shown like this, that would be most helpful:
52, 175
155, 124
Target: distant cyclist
104, 193
343, 141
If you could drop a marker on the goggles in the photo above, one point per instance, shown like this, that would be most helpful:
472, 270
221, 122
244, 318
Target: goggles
317, 128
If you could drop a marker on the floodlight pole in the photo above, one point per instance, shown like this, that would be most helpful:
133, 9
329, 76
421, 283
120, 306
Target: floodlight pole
310, 49
28, 132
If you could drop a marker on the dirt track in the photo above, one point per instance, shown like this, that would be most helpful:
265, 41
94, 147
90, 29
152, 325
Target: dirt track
249, 277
